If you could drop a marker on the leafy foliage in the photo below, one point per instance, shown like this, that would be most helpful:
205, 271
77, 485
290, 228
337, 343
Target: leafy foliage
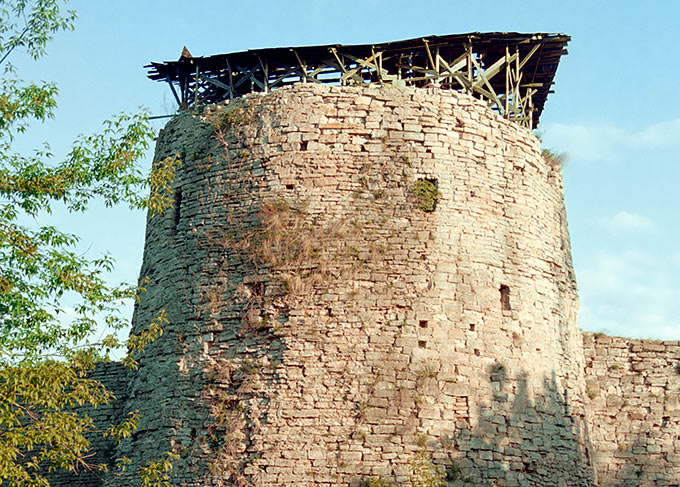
157, 474
45, 357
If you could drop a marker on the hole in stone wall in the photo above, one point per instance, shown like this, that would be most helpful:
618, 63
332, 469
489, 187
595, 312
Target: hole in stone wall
178, 207
329, 310
257, 288
290, 186
422, 323
303, 145
505, 297
472, 327
477, 352
422, 343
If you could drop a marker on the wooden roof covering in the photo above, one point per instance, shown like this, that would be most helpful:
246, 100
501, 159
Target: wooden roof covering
512, 72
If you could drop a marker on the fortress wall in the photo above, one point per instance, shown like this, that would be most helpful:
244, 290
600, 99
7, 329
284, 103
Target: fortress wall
114, 376
324, 329
633, 390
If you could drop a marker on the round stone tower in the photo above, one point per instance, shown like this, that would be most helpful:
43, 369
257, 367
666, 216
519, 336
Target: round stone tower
361, 283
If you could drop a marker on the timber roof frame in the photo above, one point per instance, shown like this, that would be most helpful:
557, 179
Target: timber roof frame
512, 72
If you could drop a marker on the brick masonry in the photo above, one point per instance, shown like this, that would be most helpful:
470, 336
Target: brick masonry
325, 329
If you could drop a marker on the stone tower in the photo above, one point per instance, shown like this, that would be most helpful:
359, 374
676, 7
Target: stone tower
358, 281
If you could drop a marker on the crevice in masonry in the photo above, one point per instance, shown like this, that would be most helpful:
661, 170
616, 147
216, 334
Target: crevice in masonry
505, 297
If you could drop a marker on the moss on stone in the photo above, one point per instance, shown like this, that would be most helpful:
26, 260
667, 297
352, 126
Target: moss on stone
427, 194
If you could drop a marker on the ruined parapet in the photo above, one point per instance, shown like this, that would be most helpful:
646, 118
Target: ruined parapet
354, 278
633, 397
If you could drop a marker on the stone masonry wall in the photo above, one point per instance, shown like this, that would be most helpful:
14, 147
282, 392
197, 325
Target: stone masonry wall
114, 376
326, 328
633, 390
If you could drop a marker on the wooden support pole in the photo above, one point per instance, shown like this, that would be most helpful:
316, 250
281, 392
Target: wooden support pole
231, 80
468, 50
507, 81
265, 74
483, 79
303, 66
196, 86
341, 64
377, 64
518, 76
529, 54
429, 57
172, 88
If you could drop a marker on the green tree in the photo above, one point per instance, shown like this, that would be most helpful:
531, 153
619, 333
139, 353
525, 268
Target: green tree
45, 358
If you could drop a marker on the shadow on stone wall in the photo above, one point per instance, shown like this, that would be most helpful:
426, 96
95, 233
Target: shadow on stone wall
522, 440
114, 376
633, 398
640, 463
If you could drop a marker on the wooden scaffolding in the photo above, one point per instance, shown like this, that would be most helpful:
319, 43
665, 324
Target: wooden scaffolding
511, 72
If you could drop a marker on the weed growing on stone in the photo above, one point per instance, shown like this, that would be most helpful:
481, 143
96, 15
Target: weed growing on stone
423, 473
554, 159
427, 194
226, 118
429, 371
378, 482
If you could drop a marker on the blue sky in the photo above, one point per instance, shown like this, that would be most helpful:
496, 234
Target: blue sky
613, 111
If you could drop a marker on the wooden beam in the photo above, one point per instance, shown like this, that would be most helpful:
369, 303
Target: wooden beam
196, 85
456, 66
172, 87
265, 74
481, 75
429, 54
215, 82
303, 66
529, 54
290, 72
507, 80
368, 63
231, 80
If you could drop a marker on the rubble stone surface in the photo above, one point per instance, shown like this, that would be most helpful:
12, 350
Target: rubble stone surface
354, 276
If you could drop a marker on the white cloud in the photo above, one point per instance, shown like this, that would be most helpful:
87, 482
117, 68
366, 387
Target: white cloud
633, 293
625, 222
608, 143
664, 134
